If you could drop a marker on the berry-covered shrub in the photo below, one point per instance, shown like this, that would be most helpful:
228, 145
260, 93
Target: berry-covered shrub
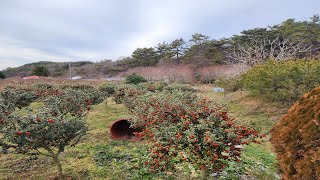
151, 86
183, 127
159, 86
75, 102
146, 86
78, 86
18, 96
43, 90
282, 81
108, 88
47, 131
124, 92
43, 86
179, 87
296, 139
41, 133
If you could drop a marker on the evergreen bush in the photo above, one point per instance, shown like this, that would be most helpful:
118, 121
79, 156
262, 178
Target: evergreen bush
282, 81
135, 79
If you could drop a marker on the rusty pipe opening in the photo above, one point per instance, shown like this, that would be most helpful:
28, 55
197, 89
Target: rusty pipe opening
121, 130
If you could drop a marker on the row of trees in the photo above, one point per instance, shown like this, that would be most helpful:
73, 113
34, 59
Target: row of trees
40, 71
179, 51
290, 39
2, 76
37, 70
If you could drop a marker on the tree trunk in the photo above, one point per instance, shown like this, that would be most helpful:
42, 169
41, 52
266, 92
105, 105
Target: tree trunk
59, 166
205, 173
106, 102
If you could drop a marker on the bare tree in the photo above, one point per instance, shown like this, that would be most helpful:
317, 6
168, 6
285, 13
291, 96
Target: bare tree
259, 50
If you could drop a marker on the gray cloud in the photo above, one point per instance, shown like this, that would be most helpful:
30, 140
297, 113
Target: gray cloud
33, 30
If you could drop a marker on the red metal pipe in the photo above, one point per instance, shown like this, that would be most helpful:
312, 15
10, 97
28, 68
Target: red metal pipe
121, 130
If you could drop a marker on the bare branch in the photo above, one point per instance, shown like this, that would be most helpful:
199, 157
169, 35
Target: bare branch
259, 50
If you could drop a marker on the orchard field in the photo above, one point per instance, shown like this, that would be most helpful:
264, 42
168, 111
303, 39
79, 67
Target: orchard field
139, 90
54, 129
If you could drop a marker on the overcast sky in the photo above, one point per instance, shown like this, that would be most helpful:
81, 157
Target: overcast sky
73, 30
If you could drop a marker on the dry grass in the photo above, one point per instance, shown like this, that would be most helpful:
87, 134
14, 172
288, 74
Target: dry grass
246, 108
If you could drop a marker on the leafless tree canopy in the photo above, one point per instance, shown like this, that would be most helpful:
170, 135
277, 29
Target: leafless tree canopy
259, 50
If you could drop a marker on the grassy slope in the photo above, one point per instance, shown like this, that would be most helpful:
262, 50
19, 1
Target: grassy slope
118, 160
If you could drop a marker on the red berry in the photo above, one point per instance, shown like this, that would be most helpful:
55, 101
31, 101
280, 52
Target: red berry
50, 121
19, 133
28, 133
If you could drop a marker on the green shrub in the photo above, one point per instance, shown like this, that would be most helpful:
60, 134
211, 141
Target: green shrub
146, 86
229, 84
19, 97
43, 86
122, 91
43, 90
160, 85
179, 87
74, 102
108, 88
135, 79
2, 76
152, 87
40, 71
282, 81
78, 86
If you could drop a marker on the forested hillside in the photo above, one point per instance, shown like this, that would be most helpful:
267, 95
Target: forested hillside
290, 39
55, 68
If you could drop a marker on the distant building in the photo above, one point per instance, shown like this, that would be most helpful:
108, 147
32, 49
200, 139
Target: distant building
31, 77
113, 79
76, 77
218, 89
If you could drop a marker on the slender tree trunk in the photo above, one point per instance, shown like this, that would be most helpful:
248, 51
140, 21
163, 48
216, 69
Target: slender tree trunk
106, 102
205, 173
55, 158
59, 166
